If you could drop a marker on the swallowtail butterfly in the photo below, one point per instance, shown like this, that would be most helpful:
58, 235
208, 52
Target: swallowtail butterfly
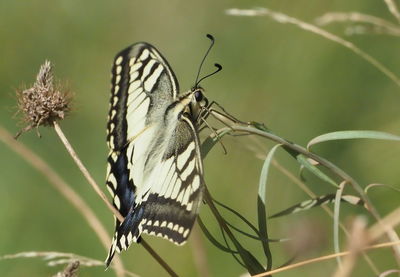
154, 172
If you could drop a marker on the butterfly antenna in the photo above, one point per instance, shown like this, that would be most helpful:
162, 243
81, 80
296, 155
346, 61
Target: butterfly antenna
202, 62
219, 68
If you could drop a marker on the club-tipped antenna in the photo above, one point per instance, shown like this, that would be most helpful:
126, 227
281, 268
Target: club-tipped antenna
219, 68
204, 58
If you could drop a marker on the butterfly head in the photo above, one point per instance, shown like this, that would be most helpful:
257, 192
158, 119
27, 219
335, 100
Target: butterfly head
198, 102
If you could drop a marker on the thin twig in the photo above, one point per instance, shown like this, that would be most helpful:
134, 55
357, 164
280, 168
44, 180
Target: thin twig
310, 193
63, 188
393, 9
85, 172
389, 221
57, 258
327, 164
332, 17
327, 257
357, 241
97, 189
283, 18
199, 252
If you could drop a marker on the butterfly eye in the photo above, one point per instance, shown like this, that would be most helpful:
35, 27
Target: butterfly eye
198, 95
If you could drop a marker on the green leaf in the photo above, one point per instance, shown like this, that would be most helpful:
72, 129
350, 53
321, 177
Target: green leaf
212, 239
317, 202
247, 222
261, 213
313, 169
336, 211
353, 134
209, 143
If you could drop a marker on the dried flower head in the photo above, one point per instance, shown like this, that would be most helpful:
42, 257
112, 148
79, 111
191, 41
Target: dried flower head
43, 103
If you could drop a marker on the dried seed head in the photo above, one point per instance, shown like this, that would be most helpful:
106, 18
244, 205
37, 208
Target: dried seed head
43, 103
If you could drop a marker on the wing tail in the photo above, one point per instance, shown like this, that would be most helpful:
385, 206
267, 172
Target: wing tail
128, 232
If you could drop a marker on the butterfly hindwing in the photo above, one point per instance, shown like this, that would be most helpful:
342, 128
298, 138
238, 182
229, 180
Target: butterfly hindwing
154, 170
173, 201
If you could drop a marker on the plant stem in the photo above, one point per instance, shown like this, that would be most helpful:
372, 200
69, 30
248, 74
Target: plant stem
97, 189
327, 164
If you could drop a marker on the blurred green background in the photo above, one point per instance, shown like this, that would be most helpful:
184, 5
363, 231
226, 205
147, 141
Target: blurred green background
299, 84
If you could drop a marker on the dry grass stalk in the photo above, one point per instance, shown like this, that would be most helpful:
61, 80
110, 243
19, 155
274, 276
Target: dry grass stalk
388, 222
97, 189
63, 188
59, 258
71, 270
357, 241
85, 172
199, 252
324, 258
393, 9
383, 26
283, 18
259, 149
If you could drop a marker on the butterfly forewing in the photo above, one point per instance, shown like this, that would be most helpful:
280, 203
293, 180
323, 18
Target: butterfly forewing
154, 170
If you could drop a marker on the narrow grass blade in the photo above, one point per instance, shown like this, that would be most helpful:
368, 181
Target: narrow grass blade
209, 143
336, 212
213, 240
261, 213
247, 222
313, 169
317, 202
353, 134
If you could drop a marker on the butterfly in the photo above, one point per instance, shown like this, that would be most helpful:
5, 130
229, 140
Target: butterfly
154, 171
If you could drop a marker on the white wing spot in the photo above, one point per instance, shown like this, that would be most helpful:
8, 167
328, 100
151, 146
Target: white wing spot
118, 70
117, 79
189, 206
144, 54
134, 75
114, 156
186, 197
122, 242
188, 170
112, 126
186, 233
146, 70
132, 61
110, 190
129, 238
180, 196
149, 83
170, 225
113, 113
135, 67
133, 86
117, 202
177, 188
119, 60
116, 89
196, 183
112, 180
180, 230
184, 156
115, 98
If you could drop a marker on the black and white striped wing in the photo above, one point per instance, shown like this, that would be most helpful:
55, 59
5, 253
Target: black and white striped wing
158, 196
172, 203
